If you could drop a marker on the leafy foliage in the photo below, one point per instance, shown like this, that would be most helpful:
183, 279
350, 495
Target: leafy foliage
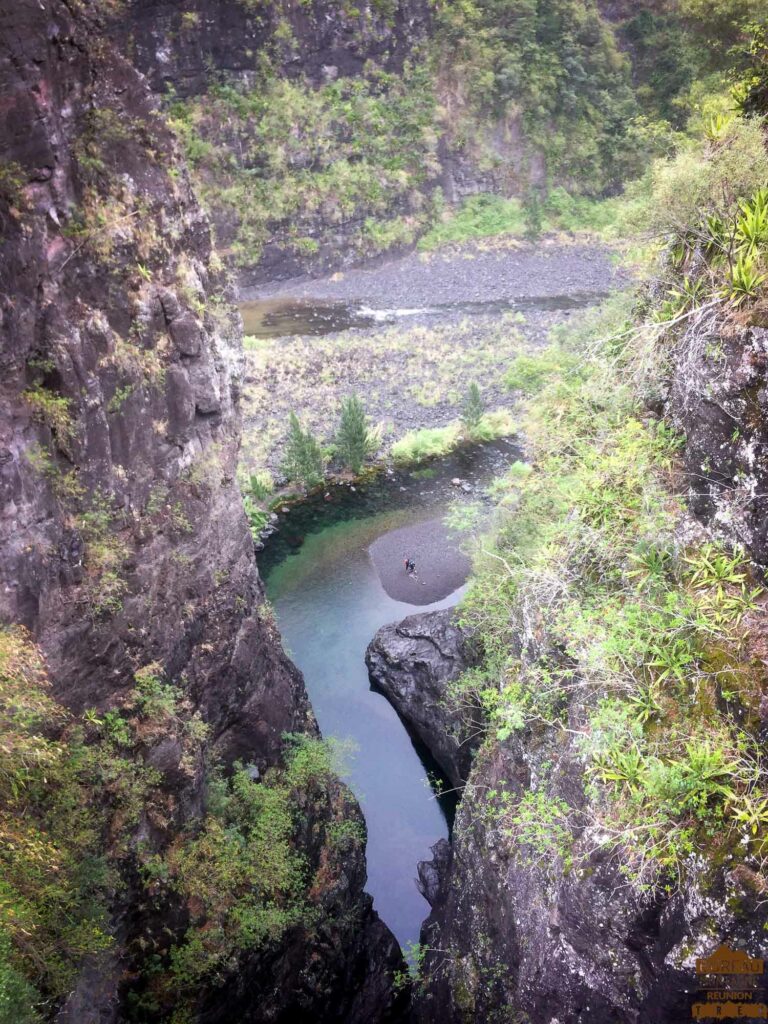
242, 871
557, 64
284, 154
480, 216
60, 785
589, 610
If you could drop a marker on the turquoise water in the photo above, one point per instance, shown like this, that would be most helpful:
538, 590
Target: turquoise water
329, 603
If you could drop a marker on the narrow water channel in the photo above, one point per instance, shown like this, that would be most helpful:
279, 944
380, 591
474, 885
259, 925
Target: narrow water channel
282, 317
329, 602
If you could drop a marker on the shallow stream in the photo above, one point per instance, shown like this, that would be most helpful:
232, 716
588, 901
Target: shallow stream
288, 316
329, 602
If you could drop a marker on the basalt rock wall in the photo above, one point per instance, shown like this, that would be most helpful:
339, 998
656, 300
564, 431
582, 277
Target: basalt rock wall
718, 401
123, 541
520, 933
182, 46
412, 663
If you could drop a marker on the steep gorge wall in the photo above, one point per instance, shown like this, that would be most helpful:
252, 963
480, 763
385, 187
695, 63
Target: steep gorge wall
321, 134
123, 542
529, 934
267, 116
181, 45
545, 909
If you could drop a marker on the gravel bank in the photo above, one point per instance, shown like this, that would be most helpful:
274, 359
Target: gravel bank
490, 271
441, 567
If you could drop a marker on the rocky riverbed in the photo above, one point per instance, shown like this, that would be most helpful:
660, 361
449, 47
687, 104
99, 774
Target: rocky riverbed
483, 271
446, 319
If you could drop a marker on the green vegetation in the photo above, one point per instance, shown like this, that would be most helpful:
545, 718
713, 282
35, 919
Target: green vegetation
283, 154
472, 410
256, 490
480, 216
625, 627
54, 411
555, 68
71, 793
242, 873
710, 204
304, 460
354, 440
313, 375
584, 106
12, 182
261, 485
488, 216
420, 445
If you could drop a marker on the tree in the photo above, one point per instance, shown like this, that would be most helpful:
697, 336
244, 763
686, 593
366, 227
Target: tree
472, 409
304, 459
354, 439
532, 214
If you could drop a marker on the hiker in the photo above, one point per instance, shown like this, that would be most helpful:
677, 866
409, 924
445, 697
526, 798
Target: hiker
410, 566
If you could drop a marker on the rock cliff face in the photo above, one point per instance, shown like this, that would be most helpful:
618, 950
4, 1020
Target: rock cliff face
519, 934
719, 401
272, 93
412, 663
178, 44
123, 540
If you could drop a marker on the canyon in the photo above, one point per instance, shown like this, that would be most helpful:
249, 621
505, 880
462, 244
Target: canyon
178, 843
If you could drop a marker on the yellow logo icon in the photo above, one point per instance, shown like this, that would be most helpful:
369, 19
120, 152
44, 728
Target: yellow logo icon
729, 961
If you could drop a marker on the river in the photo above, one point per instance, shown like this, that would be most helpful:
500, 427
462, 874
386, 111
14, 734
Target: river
329, 602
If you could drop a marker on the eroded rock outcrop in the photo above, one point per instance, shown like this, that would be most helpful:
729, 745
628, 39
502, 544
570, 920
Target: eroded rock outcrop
533, 918
177, 43
518, 929
123, 542
719, 401
412, 663
516, 932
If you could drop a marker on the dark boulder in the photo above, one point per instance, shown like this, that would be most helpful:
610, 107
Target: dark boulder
413, 663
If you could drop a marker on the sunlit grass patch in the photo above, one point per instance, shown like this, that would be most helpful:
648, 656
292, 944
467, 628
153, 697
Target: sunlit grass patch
419, 445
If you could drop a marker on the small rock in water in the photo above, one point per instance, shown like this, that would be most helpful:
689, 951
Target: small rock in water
352, 487
285, 509
456, 482
467, 488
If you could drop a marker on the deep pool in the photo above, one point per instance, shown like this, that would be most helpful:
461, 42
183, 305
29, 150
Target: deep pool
329, 603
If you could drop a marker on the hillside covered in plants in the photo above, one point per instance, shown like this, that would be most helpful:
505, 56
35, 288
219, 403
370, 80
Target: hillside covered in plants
322, 133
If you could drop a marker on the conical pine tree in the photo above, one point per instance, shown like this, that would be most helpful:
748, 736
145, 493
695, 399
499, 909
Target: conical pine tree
354, 438
472, 410
303, 460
